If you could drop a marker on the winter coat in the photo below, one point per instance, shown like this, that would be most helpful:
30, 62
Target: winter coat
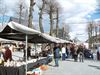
56, 52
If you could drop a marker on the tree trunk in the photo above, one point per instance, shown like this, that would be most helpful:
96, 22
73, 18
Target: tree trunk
96, 34
51, 21
57, 21
30, 14
63, 30
40, 17
90, 35
99, 34
40, 23
20, 13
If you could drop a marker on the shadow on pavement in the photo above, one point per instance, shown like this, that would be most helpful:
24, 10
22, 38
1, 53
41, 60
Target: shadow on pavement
72, 60
97, 67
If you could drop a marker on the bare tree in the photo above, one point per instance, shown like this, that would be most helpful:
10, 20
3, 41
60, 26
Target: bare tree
32, 3
20, 10
50, 9
3, 7
90, 34
57, 22
58, 11
51, 19
66, 30
95, 32
76, 39
41, 9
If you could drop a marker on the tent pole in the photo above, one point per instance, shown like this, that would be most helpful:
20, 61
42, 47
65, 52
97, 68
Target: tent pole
35, 49
26, 53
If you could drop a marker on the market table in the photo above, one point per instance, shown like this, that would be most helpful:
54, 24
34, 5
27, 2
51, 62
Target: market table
37, 63
21, 69
12, 70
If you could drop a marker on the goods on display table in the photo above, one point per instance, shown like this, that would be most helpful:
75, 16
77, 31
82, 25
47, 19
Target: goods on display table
38, 71
18, 67
4, 70
12, 67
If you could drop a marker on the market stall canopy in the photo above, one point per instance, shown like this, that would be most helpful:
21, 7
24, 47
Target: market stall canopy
54, 39
51, 38
2, 40
15, 31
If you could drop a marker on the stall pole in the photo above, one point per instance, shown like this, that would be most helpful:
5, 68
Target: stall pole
35, 50
26, 54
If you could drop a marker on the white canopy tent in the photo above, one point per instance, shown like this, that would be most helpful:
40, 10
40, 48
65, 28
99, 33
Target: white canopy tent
15, 31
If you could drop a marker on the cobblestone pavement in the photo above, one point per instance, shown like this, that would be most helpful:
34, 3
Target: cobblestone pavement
69, 67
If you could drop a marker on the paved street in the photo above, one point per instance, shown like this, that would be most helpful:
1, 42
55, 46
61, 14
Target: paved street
69, 67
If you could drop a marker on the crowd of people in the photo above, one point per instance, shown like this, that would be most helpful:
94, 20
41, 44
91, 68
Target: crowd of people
73, 51
63, 51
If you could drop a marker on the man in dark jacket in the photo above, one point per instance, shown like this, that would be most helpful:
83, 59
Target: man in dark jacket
56, 54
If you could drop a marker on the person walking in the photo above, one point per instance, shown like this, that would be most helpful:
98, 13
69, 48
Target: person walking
72, 50
56, 54
67, 50
80, 52
98, 53
63, 52
49, 55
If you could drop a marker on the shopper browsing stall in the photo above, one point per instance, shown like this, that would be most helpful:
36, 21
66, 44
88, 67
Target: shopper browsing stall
7, 54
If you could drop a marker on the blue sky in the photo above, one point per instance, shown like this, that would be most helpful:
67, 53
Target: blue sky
75, 13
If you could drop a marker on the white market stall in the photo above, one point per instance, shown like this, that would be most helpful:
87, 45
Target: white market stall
15, 31
18, 32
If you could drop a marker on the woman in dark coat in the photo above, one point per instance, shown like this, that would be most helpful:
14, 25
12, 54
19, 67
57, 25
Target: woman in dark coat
7, 54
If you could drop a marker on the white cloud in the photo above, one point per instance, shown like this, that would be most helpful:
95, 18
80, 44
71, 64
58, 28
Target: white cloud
10, 4
75, 20
81, 35
74, 11
85, 1
97, 20
76, 7
72, 35
66, 5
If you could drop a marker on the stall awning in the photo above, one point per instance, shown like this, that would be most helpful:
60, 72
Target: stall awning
15, 31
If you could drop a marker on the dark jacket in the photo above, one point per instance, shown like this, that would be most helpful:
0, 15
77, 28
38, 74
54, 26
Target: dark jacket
80, 50
56, 52
7, 55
